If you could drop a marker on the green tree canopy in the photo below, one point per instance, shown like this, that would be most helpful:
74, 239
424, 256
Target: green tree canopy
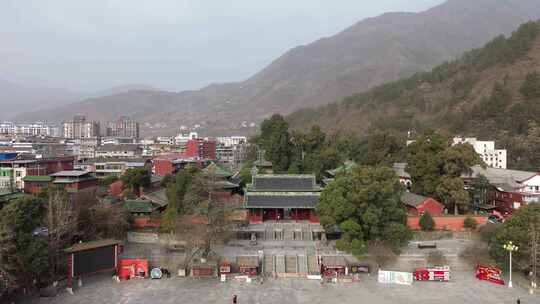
275, 140
176, 196
426, 222
425, 163
23, 256
136, 178
365, 205
516, 229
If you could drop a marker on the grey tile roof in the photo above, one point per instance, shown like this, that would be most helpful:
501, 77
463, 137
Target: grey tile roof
284, 182
412, 199
501, 176
282, 200
71, 173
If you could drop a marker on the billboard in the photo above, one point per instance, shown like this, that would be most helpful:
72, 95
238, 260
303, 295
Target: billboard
395, 277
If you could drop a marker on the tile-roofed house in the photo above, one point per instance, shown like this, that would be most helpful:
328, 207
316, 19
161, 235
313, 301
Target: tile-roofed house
218, 170
75, 181
418, 204
282, 196
510, 188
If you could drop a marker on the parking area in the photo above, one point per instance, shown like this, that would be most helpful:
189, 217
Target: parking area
464, 288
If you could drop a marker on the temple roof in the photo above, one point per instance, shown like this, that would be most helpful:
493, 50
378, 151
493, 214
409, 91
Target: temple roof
283, 183
305, 200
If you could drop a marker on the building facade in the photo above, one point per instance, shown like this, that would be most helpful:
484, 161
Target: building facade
201, 148
79, 127
124, 127
278, 197
495, 158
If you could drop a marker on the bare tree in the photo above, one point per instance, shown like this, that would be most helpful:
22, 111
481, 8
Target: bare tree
61, 223
381, 253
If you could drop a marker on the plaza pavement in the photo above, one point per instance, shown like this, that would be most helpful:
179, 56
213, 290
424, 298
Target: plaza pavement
463, 288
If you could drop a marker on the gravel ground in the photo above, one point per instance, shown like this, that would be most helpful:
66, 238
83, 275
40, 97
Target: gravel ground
463, 289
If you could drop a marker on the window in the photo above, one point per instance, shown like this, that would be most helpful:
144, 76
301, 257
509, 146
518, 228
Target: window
18, 173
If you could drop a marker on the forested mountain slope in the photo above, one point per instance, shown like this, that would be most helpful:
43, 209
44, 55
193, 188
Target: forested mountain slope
492, 93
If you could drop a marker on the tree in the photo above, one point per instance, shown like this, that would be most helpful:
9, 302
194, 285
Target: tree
61, 223
135, 179
451, 191
365, 205
383, 148
426, 222
245, 173
530, 88
470, 223
23, 256
478, 190
425, 163
107, 181
275, 141
176, 192
516, 229
458, 160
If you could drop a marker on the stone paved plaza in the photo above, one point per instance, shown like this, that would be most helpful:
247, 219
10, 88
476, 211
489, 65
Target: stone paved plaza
463, 289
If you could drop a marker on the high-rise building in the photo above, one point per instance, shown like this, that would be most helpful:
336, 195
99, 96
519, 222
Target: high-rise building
80, 128
123, 127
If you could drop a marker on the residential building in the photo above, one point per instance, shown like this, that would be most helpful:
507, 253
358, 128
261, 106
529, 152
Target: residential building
495, 158
510, 189
230, 141
14, 171
29, 129
282, 197
115, 167
167, 164
201, 148
165, 140
75, 181
79, 127
124, 127
123, 150
182, 138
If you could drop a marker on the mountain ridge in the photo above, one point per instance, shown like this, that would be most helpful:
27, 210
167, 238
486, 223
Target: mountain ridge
371, 52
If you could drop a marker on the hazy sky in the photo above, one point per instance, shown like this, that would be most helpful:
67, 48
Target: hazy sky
170, 44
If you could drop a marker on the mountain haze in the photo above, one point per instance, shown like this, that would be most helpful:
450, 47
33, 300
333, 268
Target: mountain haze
369, 53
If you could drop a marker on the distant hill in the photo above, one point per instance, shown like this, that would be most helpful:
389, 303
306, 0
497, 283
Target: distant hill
16, 98
491, 92
369, 53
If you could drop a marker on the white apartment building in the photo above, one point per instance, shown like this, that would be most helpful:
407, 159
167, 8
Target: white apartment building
229, 141
29, 129
182, 138
495, 158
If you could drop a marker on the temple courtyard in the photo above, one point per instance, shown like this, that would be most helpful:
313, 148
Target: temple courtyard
463, 288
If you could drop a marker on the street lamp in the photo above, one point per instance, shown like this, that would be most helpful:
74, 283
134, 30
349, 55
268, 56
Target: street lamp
510, 247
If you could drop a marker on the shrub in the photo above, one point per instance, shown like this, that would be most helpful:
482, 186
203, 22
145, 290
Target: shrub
487, 232
426, 222
436, 258
470, 223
